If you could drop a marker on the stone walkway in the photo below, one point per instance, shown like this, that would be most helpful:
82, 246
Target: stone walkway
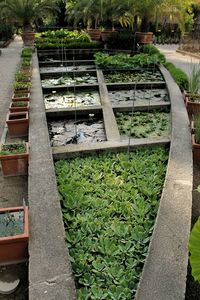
13, 190
186, 62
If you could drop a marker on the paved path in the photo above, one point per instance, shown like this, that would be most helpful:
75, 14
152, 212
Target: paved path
14, 189
184, 62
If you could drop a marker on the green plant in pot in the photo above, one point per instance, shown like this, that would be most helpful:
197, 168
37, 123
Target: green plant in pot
22, 86
25, 13
196, 138
14, 159
193, 95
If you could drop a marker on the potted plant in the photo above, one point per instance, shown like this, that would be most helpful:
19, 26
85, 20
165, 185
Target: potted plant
19, 106
18, 124
14, 234
14, 159
20, 77
20, 96
192, 96
196, 138
25, 13
22, 87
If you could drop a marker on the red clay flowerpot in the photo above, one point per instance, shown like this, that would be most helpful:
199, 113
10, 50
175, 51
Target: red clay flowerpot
15, 248
17, 124
95, 34
193, 108
13, 108
15, 164
28, 38
144, 37
107, 34
21, 96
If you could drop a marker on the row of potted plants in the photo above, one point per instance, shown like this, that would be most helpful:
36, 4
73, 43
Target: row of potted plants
14, 223
14, 157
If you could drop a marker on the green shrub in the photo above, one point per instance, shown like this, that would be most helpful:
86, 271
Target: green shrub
197, 128
178, 75
27, 53
71, 45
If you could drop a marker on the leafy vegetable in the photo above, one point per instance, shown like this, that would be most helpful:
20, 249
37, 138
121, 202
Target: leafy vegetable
109, 204
13, 149
194, 246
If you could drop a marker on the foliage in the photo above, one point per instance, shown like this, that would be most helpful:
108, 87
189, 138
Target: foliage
19, 76
143, 124
66, 35
25, 12
22, 85
141, 75
179, 76
27, 53
194, 246
109, 204
11, 223
194, 81
19, 103
7, 149
197, 128
6, 31
125, 61
150, 49
70, 45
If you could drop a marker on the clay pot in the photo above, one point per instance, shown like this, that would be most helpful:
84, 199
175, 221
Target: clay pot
15, 164
15, 248
13, 108
18, 124
28, 38
144, 37
20, 96
107, 34
95, 34
193, 108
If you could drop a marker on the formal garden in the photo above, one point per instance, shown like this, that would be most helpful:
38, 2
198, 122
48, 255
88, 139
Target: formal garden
99, 150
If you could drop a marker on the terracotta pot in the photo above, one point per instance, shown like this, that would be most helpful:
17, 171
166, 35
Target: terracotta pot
144, 37
13, 108
20, 97
15, 248
28, 38
15, 164
95, 34
193, 108
195, 149
17, 124
107, 34
23, 90
26, 70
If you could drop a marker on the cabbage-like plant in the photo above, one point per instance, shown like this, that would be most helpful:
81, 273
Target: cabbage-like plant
194, 248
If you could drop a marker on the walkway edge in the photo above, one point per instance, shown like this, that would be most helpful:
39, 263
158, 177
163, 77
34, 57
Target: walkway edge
165, 269
50, 275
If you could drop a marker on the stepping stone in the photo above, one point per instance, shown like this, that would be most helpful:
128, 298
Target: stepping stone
8, 282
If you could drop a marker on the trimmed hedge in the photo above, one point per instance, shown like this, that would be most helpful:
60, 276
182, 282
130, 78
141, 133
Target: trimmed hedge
179, 76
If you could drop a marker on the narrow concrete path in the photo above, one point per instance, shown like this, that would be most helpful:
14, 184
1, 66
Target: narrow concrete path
14, 189
186, 63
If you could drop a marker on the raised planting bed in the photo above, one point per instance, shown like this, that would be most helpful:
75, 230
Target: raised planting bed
70, 80
133, 76
143, 124
141, 96
14, 234
71, 99
87, 129
109, 204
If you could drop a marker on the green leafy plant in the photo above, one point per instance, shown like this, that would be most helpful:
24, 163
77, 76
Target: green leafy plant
19, 76
179, 76
143, 124
125, 61
194, 247
7, 149
22, 85
27, 53
134, 76
19, 103
109, 204
194, 82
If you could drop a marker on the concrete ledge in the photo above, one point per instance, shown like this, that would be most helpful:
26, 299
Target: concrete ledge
188, 53
165, 269
50, 275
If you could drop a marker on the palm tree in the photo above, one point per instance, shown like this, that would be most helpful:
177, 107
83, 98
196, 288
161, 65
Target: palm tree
25, 12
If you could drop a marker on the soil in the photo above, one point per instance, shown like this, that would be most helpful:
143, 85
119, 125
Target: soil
193, 287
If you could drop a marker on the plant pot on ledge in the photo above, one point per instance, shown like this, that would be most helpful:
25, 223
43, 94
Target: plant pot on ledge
95, 34
14, 234
23, 96
107, 34
195, 149
18, 106
18, 124
14, 159
144, 37
192, 105
28, 38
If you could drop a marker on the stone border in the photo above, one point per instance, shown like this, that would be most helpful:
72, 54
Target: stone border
165, 269
50, 275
